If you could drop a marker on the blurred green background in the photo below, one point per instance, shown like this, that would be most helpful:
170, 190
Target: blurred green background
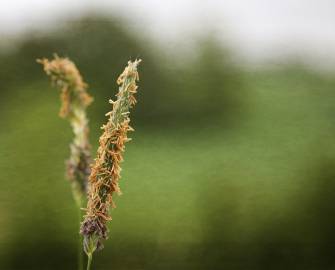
229, 167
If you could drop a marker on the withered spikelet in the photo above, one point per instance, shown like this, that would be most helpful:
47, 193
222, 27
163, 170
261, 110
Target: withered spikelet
105, 172
75, 99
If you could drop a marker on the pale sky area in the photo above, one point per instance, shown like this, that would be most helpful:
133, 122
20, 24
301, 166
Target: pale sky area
258, 30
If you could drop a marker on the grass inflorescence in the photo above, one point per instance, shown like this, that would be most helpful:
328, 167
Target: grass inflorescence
99, 181
75, 99
105, 174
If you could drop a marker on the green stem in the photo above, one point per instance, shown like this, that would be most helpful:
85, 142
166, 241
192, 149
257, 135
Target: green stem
89, 261
80, 245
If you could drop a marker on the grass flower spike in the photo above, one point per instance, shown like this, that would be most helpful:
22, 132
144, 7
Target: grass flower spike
75, 99
105, 174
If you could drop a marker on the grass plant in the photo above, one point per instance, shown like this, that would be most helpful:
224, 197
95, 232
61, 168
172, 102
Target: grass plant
75, 99
105, 174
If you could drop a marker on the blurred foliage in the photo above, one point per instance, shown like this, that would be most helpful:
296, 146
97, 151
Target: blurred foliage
100, 47
229, 169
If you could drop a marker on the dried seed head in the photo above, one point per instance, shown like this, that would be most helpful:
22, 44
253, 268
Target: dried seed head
75, 99
105, 174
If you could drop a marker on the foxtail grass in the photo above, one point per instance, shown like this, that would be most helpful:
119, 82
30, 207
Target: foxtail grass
105, 173
74, 102
75, 99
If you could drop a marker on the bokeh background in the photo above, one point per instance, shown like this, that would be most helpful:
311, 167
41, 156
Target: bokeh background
232, 165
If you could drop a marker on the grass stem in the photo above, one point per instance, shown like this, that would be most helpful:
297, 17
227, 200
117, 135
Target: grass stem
80, 245
89, 261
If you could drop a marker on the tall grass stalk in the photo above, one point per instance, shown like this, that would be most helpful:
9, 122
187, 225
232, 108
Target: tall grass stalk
105, 174
75, 99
